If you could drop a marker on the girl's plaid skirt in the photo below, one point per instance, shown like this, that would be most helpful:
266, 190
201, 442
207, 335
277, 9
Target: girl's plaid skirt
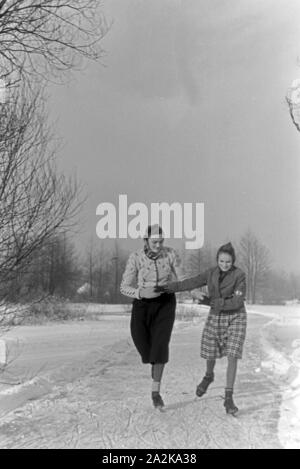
224, 335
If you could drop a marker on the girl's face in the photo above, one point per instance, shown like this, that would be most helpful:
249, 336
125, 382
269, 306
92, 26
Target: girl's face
155, 244
224, 261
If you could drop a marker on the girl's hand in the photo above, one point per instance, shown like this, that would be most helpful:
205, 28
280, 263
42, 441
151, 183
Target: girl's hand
217, 303
205, 301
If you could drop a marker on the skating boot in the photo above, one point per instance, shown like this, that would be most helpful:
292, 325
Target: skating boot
157, 400
202, 387
229, 405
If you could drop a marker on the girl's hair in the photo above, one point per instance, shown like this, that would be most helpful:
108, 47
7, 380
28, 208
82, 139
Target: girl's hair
227, 249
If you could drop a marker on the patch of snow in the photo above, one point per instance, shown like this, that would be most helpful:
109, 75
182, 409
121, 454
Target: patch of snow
18, 387
3, 354
280, 364
289, 422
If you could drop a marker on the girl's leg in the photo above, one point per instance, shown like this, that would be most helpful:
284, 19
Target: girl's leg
229, 405
231, 372
210, 365
208, 378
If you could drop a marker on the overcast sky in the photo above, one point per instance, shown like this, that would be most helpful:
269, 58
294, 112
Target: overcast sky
190, 107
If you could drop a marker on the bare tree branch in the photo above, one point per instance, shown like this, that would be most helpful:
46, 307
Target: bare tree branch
36, 202
254, 258
46, 38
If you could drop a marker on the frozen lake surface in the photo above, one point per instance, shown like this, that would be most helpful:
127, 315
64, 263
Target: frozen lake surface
82, 385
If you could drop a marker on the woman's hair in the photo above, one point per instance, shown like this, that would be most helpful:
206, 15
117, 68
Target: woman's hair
153, 230
227, 249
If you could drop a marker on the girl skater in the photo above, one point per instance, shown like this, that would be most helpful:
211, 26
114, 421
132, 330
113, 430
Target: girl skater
225, 328
153, 313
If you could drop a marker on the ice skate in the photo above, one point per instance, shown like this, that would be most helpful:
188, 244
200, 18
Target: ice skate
229, 405
157, 401
202, 387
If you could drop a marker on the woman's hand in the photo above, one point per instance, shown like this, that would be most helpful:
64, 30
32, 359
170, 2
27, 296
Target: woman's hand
148, 292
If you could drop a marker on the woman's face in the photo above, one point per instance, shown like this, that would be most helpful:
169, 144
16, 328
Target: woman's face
224, 261
155, 244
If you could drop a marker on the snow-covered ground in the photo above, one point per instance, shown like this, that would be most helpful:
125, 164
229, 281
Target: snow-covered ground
82, 385
281, 341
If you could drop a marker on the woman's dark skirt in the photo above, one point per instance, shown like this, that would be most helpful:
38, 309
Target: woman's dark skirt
151, 327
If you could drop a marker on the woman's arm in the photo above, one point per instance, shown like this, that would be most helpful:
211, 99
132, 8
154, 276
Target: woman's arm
176, 266
130, 278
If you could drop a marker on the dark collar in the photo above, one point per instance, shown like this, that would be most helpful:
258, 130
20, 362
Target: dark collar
225, 277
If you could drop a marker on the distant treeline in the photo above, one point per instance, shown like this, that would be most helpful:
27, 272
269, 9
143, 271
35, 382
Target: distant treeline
56, 270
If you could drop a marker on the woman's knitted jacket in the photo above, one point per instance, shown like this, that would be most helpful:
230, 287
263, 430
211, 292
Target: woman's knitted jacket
142, 272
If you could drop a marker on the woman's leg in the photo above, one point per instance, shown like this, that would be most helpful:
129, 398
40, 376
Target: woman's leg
139, 328
157, 371
161, 330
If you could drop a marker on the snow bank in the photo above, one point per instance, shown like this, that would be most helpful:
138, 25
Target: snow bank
182, 309
3, 354
289, 423
283, 358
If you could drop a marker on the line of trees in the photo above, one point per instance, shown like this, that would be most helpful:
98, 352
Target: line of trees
36, 202
57, 270
254, 258
40, 41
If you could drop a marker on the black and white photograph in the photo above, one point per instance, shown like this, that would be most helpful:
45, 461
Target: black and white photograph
149, 227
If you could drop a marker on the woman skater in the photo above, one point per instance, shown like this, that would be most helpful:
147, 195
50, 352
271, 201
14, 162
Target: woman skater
153, 314
225, 328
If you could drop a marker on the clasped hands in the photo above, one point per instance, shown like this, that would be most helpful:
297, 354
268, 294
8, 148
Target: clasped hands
201, 297
148, 292
154, 292
215, 303
171, 287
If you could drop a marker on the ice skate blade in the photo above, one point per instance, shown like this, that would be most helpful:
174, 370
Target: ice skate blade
161, 409
233, 413
158, 406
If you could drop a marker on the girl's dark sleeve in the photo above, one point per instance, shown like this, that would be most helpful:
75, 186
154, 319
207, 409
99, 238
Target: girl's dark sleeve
193, 282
